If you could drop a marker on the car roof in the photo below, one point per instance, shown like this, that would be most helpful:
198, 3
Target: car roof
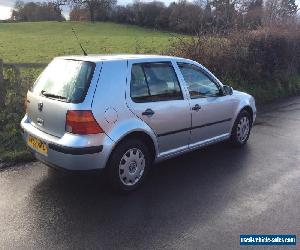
119, 57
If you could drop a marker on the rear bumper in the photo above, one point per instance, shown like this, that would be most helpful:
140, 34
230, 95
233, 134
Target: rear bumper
71, 152
76, 151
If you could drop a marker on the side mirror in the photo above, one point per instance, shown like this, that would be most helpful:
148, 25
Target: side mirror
227, 90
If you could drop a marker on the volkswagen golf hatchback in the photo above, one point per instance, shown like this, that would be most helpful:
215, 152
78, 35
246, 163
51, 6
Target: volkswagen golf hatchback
124, 112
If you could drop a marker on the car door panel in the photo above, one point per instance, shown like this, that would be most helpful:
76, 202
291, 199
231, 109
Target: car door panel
213, 119
169, 119
170, 122
211, 111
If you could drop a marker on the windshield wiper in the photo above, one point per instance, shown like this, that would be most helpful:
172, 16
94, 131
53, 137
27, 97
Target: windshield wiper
45, 93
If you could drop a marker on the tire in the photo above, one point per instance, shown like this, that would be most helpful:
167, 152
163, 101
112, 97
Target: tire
241, 129
128, 165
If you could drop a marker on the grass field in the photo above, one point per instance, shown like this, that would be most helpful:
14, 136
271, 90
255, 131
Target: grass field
41, 41
232, 62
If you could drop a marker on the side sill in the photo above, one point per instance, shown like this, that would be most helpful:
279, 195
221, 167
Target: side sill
192, 147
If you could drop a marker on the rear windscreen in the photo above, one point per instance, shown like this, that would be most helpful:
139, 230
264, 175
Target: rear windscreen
65, 80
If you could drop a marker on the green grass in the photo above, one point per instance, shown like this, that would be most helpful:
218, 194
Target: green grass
9, 158
41, 41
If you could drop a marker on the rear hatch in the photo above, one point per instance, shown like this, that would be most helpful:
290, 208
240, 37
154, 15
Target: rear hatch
62, 86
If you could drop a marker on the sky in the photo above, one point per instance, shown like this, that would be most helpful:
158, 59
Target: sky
6, 6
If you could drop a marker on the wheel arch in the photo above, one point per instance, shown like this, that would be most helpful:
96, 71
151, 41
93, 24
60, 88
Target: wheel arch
249, 110
144, 137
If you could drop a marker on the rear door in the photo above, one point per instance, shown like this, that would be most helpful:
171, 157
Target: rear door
64, 85
156, 98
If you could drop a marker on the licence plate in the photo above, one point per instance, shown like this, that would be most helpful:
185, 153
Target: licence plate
38, 145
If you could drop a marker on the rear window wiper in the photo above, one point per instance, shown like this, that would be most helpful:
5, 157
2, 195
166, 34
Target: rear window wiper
45, 93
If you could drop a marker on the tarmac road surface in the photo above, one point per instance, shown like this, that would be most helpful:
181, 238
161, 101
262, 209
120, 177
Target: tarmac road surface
202, 200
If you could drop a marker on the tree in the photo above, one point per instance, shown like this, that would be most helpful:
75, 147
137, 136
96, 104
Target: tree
36, 12
98, 9
185, 17
254, 13
148, 14
79, 14
288, 9
16, 13
224, 14
280, 11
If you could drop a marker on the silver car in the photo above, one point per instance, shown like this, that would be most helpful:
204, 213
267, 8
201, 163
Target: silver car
124, 112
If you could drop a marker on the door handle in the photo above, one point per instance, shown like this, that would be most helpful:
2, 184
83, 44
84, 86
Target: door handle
197, 107
148, 112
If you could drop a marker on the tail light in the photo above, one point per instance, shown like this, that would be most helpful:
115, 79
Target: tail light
82, 122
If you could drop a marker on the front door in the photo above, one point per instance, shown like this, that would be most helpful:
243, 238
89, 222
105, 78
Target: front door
157, 99
212, 111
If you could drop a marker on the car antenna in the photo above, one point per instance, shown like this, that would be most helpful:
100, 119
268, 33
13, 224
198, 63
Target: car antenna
79, 42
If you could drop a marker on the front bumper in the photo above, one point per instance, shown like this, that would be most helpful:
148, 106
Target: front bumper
254, 117
71, 152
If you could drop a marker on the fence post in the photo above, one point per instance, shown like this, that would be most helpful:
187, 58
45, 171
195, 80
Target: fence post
1, 84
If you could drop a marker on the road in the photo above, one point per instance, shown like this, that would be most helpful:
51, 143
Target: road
203, 200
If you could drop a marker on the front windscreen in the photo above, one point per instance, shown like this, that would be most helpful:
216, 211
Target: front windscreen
65, 80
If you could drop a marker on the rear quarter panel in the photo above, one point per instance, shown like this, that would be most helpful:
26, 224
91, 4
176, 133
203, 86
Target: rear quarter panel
109, 104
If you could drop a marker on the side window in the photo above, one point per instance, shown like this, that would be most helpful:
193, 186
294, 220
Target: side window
152, 82
138, 85
199, 84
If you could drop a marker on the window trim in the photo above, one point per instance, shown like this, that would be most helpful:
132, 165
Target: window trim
181, 97
143, 69
204, 72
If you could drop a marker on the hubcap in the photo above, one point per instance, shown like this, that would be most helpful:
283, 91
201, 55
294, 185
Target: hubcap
132, 166
243, 129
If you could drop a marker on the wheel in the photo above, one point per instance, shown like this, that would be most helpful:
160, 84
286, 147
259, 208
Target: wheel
241, 129
128, 165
